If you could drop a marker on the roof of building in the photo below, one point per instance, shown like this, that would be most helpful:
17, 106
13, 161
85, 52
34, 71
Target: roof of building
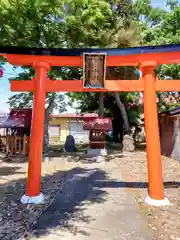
74, 115
17, 118
21, 118
172, 112
80, 51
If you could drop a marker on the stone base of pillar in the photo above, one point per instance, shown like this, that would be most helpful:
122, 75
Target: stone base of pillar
157, 203
95, 152
33, 200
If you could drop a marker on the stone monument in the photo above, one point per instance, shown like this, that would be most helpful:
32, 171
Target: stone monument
69, 145
128, 144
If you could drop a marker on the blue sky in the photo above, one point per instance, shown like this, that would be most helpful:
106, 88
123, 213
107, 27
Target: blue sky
159, 3
5, 92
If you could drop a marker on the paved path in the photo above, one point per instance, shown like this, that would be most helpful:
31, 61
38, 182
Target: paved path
93, 205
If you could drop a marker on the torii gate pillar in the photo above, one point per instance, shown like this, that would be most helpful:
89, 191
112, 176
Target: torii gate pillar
155, 179
33, 194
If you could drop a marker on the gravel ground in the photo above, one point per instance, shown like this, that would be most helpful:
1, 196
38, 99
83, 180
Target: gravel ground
165, 222
17, 219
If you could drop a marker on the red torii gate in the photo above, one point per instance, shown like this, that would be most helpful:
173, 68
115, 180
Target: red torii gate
147, 58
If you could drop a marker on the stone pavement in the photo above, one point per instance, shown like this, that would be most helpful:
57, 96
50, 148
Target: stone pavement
93, 204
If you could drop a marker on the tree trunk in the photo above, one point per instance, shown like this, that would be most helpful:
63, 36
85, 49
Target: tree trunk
123, 113
46, 132
101, 104
48, 111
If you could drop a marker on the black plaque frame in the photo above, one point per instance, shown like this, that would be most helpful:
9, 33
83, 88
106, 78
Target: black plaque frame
89, 81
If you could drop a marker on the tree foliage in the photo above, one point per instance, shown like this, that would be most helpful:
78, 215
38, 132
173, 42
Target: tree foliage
156, 27
164, 31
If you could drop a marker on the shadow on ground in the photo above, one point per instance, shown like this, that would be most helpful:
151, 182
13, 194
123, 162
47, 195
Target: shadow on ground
79, 187
5, 171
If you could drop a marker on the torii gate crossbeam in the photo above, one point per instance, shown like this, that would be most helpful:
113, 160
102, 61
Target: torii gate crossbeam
147, 58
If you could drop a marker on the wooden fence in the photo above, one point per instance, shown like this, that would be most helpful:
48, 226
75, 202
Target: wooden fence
15, 145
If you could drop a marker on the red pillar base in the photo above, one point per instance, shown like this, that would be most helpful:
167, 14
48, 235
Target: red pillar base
157, 203
33, 200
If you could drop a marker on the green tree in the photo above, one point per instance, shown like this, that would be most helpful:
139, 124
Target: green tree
82, 23
122, 33
173, 4
165, 31
157, 27
31, 23
67, 23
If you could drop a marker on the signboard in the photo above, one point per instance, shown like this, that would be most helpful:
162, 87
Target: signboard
94, 70
101, 124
